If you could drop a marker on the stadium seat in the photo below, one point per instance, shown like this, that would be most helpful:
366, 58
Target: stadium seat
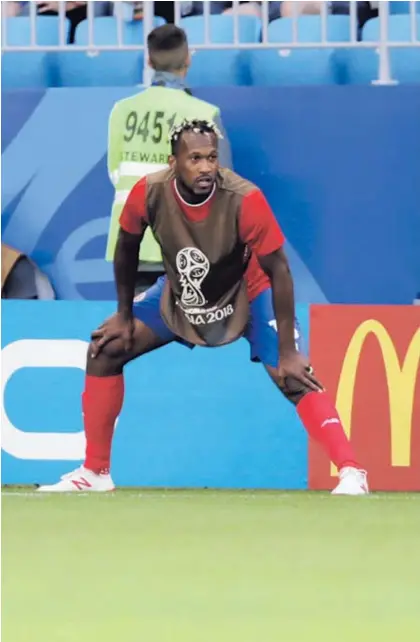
403, 7
18, 30
362, 66
285, 66
221, 29
30, 68
104, 68
105, 31
310, 29
218, 66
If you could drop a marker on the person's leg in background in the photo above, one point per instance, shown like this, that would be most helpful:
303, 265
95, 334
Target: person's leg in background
245, 9
292, 9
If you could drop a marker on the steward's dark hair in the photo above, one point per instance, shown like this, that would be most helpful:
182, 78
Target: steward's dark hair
168, 48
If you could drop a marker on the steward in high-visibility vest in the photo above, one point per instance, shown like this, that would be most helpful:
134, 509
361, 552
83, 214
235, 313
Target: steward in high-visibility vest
139, 127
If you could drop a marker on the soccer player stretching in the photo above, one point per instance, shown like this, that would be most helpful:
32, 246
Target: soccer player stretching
226, 277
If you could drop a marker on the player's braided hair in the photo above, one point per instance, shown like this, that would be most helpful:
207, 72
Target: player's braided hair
196, 126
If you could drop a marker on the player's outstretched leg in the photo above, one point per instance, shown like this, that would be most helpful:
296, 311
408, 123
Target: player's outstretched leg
322, 422
102, 401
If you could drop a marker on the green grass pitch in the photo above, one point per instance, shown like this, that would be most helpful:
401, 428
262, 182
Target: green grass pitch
208, 566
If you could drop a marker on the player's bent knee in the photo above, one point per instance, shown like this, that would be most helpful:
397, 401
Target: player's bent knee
294, 390
110, 357
291, 388
114, 350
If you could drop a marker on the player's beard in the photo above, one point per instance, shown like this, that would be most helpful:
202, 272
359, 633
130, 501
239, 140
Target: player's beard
189, 195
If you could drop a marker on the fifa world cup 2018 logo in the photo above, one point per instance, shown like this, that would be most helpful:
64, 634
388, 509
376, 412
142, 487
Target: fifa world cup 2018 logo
193, 267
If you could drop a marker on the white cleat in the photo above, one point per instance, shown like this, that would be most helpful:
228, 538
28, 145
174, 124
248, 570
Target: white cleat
352, 482
81, 480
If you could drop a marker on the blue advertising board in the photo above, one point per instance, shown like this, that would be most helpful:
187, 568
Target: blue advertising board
191, 418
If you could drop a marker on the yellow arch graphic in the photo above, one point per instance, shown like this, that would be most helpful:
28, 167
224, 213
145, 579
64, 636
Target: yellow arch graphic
401, 382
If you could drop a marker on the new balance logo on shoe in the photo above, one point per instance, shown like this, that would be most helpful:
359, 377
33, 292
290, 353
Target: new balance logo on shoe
81, 483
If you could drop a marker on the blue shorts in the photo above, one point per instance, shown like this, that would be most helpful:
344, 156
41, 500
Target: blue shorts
261, 331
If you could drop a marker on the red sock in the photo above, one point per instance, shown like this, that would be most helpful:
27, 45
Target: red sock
320, 418
102, 402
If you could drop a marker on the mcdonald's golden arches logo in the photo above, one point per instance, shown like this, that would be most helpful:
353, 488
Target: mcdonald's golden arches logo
401, 377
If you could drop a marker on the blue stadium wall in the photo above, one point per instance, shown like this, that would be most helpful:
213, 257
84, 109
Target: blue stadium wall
340, 166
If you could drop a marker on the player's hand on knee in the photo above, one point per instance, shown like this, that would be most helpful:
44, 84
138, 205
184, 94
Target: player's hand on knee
295, 365
116, 327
